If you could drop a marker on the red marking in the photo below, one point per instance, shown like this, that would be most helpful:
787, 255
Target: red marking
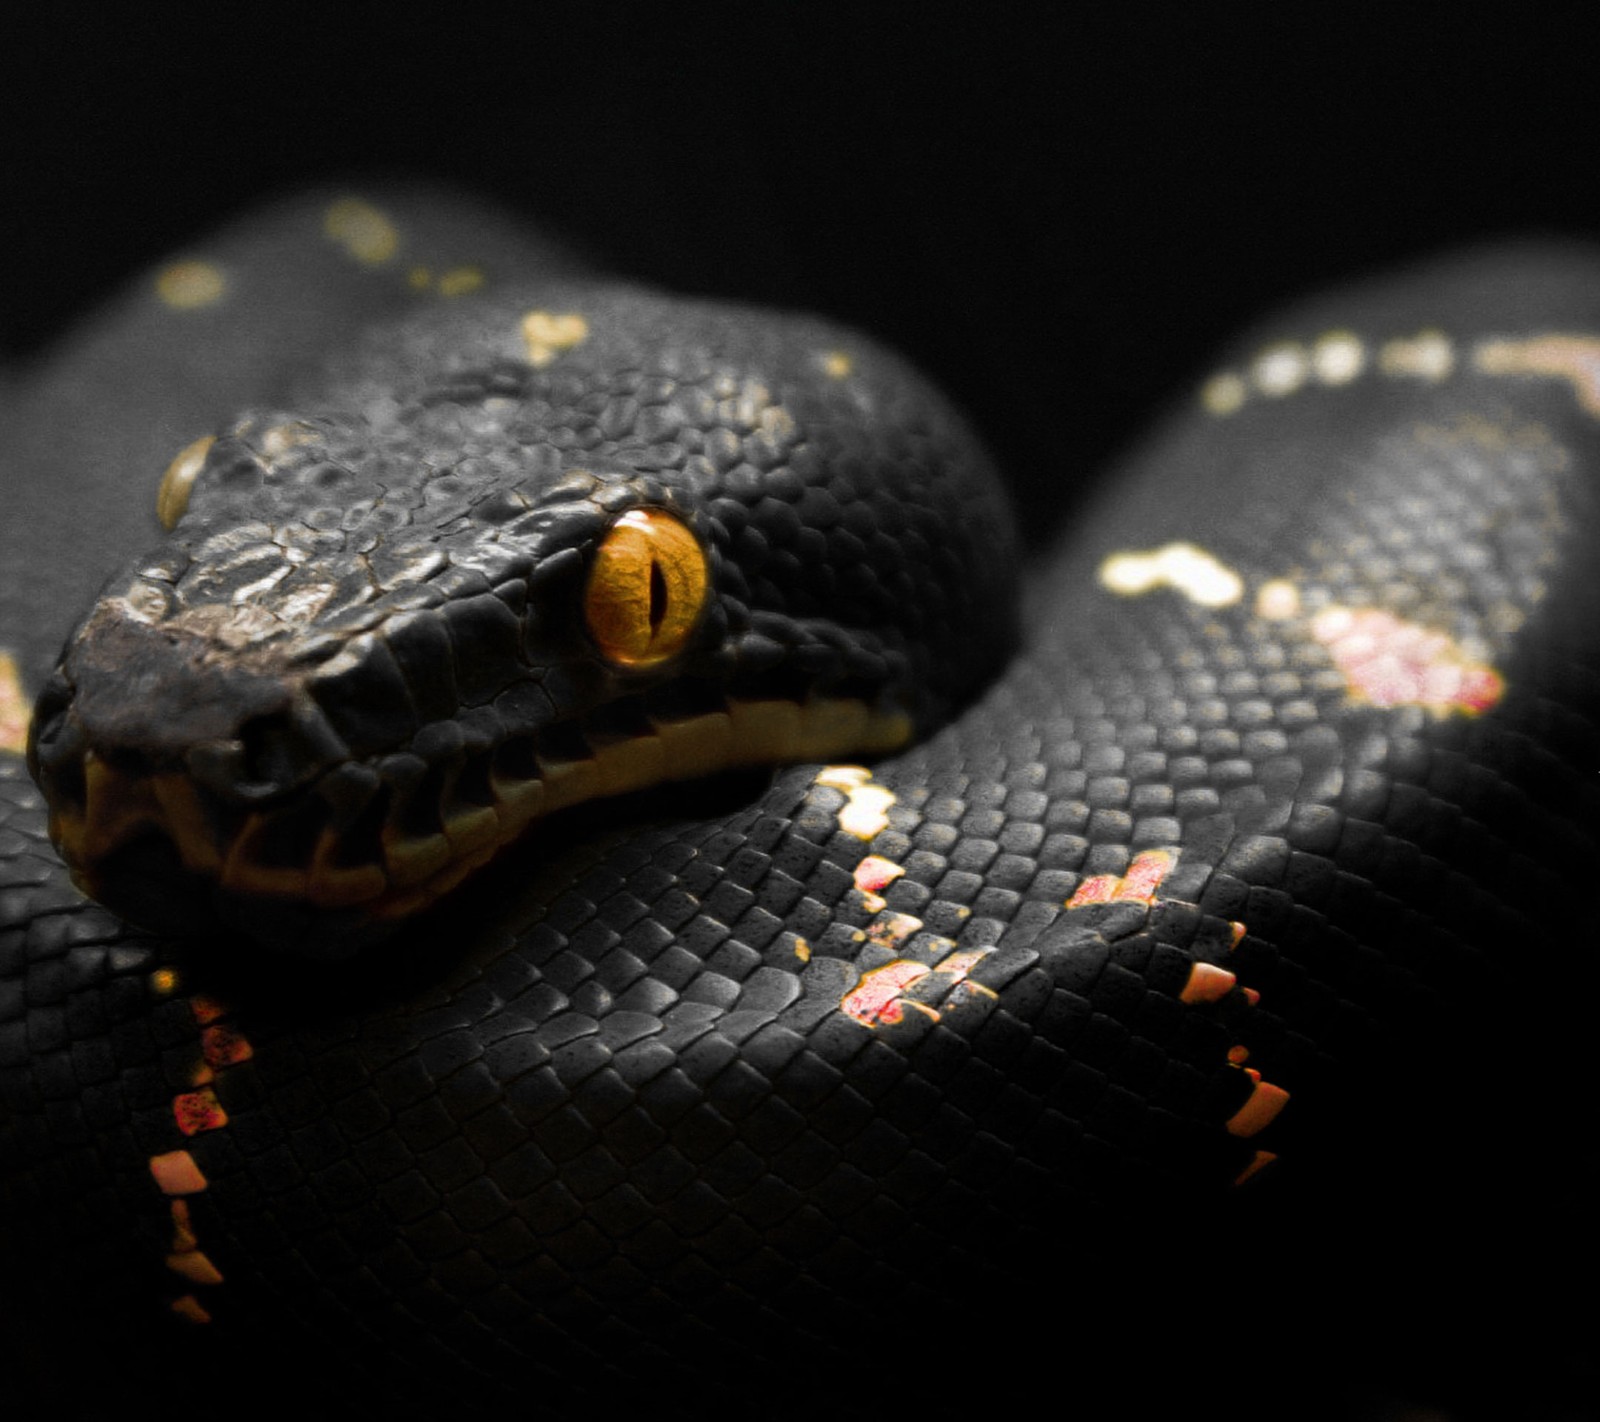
874, 874
875, 995
206, 1009
1236, 931
1238, 1055
1260, 1161
1251, 996
1143, 878
176, 1173
1266, 1100
223, 1046
1096, 890
1390, 662
1207, 983
198, 1111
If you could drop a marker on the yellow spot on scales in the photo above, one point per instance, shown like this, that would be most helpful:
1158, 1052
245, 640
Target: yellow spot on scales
1575, 359
546, 334
14, 710
184, 286
362, 230
1183, 567
836, 365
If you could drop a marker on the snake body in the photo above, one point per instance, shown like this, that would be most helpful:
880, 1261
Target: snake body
1301, 744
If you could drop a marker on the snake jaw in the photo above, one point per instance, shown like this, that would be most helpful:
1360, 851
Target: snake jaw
316, 790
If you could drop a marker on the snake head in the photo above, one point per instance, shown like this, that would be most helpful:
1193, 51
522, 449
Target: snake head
391, 632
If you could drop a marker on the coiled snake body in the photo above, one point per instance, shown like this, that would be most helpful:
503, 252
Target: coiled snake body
1301, 740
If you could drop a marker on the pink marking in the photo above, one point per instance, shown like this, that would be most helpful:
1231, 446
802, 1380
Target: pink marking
874, 874
1096, 890
1143, 878
872, 998
1390, 662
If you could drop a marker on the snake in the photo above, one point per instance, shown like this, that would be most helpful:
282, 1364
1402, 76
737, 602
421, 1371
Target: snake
576, 865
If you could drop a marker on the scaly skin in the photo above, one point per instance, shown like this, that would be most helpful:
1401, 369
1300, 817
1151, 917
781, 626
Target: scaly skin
777, 1087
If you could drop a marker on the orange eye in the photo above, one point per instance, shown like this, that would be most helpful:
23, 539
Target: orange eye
646, 588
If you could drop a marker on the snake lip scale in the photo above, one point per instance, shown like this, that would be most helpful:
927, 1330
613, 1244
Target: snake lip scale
1049, 933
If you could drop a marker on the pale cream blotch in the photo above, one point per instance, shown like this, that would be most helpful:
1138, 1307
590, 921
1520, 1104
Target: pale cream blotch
1575, 359
545, 334
1337, 358
1426, 356
1224, 393
1280, 370
14, 709
1183, 567
189, 285
865, 813
362, 230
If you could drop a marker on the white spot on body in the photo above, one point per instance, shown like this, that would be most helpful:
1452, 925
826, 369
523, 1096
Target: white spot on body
1280, 370
1277, 600
1337, 358
362, 230
1187, 569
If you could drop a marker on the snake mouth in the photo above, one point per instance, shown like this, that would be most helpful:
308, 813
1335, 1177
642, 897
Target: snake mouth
366, 844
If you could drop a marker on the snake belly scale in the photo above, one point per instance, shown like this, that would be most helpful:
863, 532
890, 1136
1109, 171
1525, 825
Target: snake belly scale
554, 1087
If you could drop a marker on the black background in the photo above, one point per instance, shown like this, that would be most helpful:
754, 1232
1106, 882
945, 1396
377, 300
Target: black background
1061, 216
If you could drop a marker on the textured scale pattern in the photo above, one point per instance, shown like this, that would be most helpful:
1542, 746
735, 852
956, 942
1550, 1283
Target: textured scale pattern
784, 1088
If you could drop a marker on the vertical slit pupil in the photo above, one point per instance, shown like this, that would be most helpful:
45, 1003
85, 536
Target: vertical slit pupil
658, 597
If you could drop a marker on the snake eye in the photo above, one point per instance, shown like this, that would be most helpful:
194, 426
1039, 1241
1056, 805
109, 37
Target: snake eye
646, 588
172, 498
